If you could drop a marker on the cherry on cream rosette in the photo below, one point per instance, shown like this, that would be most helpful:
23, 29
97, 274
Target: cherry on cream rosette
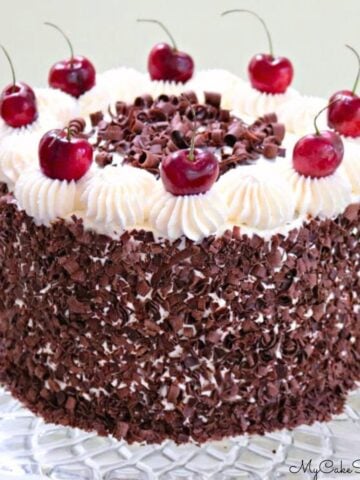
344, 109
318, 184
51, 188
20, 111
270, 79
186, 203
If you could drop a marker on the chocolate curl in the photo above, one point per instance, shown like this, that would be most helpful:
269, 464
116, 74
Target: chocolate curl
137, 126
76, 126
157, 115
145, 159
95, 118
121, 108
269, 118
224, 116
103, 158
270, 150
213, 99
278, 132
235, 132
178, 139
191, 96
217, 136
144, 101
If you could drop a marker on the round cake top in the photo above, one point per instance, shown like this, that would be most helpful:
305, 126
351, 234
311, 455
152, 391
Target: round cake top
180, 162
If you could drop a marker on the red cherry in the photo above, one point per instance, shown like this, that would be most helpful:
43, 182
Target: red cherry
184, 175
267, 73
344, 108
336, 141
17, 102
74, 76
63, 156
167, 62
319, 154
270, 74
344, 113
316, 156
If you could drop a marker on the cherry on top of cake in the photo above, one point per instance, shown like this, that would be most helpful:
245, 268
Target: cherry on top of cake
75, 75
344, 109
150, 129
18, 106
319, 154
63, 155
166, 62
267, 73
189, 171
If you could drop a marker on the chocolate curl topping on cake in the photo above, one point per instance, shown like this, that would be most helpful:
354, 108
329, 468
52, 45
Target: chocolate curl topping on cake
150, 129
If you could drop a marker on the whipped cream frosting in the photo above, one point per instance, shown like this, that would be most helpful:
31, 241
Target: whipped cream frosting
216, 80
116, 198
298, 114
257, 196
351, 165
121, 83
41, 125
60, 105
249, 101
17, 152
45, 199
159, 87
323, 197
195, 216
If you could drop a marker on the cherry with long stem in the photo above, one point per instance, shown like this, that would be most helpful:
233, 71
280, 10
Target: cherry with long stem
236, 10
161, 25
17, 101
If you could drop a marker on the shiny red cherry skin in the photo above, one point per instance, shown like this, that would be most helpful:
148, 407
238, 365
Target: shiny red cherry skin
64, 157
317, 155
344, 113
270, 74
167, 63
335, 139
18, 105
74, 76
183, 176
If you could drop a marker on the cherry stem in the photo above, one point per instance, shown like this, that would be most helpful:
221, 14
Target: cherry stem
195, 127
68, 133
317, 130
236, 10
358, 74
49, 24
11, 64
150, 20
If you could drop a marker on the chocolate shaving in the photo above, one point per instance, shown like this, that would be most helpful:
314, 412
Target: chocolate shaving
168, 122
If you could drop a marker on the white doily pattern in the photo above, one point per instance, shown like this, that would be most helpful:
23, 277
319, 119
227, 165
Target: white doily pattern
30, 449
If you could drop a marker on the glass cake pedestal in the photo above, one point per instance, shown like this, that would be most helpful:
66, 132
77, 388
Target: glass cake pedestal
30, 449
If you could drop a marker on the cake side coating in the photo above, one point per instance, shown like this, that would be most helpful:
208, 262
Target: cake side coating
150, 340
